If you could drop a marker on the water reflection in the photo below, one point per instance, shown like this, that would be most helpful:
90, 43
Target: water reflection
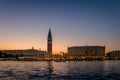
49, 70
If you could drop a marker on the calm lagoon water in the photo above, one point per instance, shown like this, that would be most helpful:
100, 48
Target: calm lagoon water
50, 70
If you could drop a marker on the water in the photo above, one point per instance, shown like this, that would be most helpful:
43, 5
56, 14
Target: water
50, 70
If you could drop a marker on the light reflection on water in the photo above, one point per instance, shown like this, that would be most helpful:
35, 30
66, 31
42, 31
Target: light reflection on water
50, 70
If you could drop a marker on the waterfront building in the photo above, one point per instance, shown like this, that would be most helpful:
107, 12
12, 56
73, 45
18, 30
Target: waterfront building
14, 52
49, 43
115, 55
86, 52
26, 52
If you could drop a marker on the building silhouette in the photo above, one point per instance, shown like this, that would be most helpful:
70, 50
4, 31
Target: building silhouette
87, 52
113, 55
49, 42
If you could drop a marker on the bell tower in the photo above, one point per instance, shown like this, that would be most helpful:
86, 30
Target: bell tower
49, 42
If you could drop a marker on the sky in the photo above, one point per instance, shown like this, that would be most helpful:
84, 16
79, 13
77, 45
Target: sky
25, 24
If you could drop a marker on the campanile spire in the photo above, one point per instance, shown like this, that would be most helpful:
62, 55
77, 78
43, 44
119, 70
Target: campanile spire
49, 42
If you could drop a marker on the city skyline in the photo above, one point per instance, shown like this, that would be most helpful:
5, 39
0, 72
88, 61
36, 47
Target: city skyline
25, 23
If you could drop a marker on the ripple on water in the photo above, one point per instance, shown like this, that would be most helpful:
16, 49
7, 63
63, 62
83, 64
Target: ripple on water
80, 70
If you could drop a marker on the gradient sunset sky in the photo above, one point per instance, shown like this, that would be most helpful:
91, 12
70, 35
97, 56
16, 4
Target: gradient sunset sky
25, 23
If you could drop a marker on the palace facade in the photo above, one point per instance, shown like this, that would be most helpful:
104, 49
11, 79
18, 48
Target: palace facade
87, 52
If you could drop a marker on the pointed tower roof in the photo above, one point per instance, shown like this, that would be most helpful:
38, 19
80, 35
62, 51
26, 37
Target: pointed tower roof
49, 34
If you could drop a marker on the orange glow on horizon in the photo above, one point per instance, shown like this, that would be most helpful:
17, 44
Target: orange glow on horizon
55, 49
42, 48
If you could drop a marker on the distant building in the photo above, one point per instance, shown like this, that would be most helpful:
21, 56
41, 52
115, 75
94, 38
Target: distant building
87, 51
26, 53
49, 43
113, 55
13, 52
30, 52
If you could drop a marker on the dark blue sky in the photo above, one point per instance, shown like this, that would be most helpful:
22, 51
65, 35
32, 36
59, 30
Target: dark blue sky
25, 23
